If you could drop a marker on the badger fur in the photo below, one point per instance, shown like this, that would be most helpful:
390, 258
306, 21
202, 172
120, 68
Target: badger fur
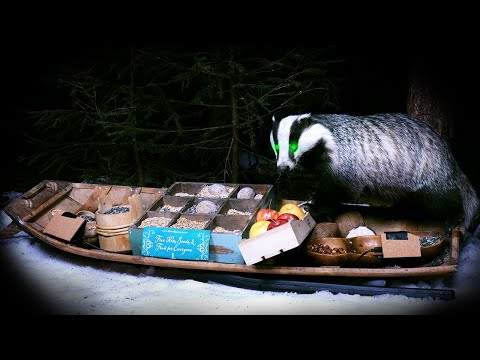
386, 159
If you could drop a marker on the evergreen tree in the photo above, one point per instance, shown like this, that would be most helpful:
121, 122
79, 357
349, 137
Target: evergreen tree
157, 116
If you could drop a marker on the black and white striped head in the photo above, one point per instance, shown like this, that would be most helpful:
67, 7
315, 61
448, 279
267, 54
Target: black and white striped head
294, 135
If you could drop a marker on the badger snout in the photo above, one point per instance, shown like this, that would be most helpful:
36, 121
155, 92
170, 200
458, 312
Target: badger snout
285, 165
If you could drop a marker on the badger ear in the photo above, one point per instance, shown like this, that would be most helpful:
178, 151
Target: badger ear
273, 118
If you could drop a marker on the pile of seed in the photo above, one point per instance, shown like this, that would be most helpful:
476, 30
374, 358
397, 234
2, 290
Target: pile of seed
215, 191
183, 194
191, 210
184, 223
156, 221
325, 249
220, 229
171, 208
88, 218
430, 240
117, 210
238, 212
439, 260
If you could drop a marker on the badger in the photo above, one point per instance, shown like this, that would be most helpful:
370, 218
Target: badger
382, 159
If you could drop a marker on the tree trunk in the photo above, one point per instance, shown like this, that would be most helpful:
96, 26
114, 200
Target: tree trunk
426, 100
138, 162
235, 152
133, 121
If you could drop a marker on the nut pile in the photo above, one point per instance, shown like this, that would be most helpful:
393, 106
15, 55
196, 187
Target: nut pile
325, 249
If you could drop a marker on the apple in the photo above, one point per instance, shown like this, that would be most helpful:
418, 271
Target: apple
266, 214
288, 216
274, 223
258, 228
292, 209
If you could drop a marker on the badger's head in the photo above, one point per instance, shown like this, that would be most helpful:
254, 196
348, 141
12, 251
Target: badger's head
294, 135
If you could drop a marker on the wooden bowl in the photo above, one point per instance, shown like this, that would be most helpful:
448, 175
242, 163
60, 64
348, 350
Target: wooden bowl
320, 259
360, 244
431, 252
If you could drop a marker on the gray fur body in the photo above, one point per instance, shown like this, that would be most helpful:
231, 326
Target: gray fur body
382, 158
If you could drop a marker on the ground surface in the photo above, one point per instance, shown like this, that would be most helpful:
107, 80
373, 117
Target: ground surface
43, 279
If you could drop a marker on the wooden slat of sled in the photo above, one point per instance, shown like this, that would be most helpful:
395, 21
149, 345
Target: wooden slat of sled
92, 202
61, 194
454, 246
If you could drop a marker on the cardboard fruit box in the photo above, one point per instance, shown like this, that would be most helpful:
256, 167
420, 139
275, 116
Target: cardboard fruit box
276, 241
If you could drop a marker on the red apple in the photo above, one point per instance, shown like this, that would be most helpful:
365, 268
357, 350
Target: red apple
288, 216
277, 222
266, 214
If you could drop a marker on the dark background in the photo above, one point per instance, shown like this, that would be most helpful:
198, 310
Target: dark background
375, 79
379, 51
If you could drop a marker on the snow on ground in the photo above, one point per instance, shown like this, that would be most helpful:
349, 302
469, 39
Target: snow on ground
69, 284
74, 285
76, 288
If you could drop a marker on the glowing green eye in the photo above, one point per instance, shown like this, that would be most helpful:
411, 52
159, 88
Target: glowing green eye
276, 147
293, 147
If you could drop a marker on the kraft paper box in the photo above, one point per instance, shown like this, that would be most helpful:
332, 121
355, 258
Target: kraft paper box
276, 241
65, 227
400, 244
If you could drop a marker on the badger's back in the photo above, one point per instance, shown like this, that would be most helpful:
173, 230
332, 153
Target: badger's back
377, 158
390, 153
